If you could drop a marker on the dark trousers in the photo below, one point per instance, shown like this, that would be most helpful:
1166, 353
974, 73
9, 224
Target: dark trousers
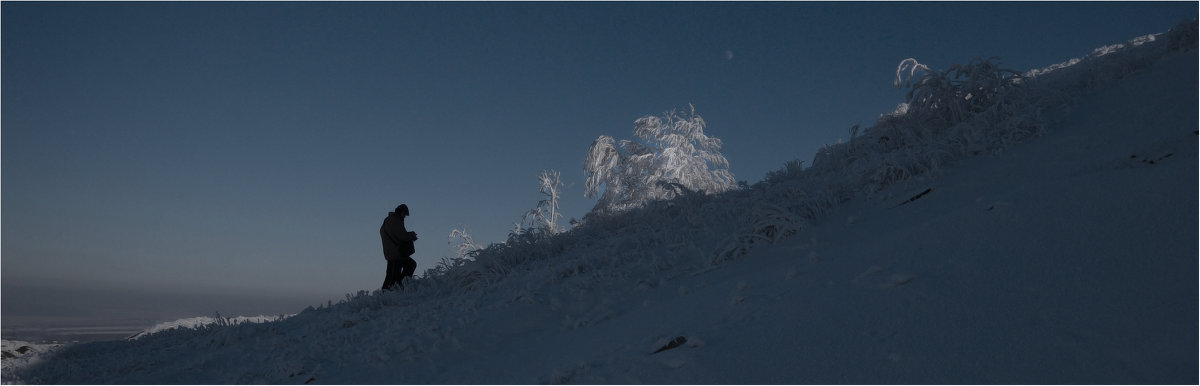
397, 270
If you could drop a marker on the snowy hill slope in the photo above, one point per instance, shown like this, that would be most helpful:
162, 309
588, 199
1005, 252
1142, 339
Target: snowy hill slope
1068, 258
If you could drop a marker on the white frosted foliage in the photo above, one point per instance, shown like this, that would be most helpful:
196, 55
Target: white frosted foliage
671, 152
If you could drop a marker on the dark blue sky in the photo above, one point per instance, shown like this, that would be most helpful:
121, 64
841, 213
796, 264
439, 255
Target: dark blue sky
222, 148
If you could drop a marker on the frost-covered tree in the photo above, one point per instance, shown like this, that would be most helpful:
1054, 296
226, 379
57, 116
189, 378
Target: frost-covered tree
545, 215
671, 151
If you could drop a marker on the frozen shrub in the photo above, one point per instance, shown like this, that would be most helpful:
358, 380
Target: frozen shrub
671, 149
790, 169
544, 217
1182, 37
466, 247
947, 97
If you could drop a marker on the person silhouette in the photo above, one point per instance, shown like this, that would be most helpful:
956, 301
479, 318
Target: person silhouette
397, 248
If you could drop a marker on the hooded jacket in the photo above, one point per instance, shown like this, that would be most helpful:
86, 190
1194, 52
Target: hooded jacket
397, 241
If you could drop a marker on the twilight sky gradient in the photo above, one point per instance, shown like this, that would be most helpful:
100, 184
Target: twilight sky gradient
239, 157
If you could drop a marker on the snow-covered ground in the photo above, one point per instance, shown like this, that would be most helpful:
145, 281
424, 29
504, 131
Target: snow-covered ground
201, 321
18, 354
1070, 257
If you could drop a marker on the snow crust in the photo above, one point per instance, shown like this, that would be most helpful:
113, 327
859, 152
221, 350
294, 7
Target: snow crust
1048, 240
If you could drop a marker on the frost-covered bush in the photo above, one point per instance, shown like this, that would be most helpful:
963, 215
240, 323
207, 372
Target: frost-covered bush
466, 247
791, 169
544, 217
944, 98
965, 110
1183, 36
671, 149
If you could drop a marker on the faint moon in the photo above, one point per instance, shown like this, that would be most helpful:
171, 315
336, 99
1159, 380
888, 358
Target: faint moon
728, 55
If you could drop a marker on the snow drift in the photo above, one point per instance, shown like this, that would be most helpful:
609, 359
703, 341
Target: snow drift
929, 248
